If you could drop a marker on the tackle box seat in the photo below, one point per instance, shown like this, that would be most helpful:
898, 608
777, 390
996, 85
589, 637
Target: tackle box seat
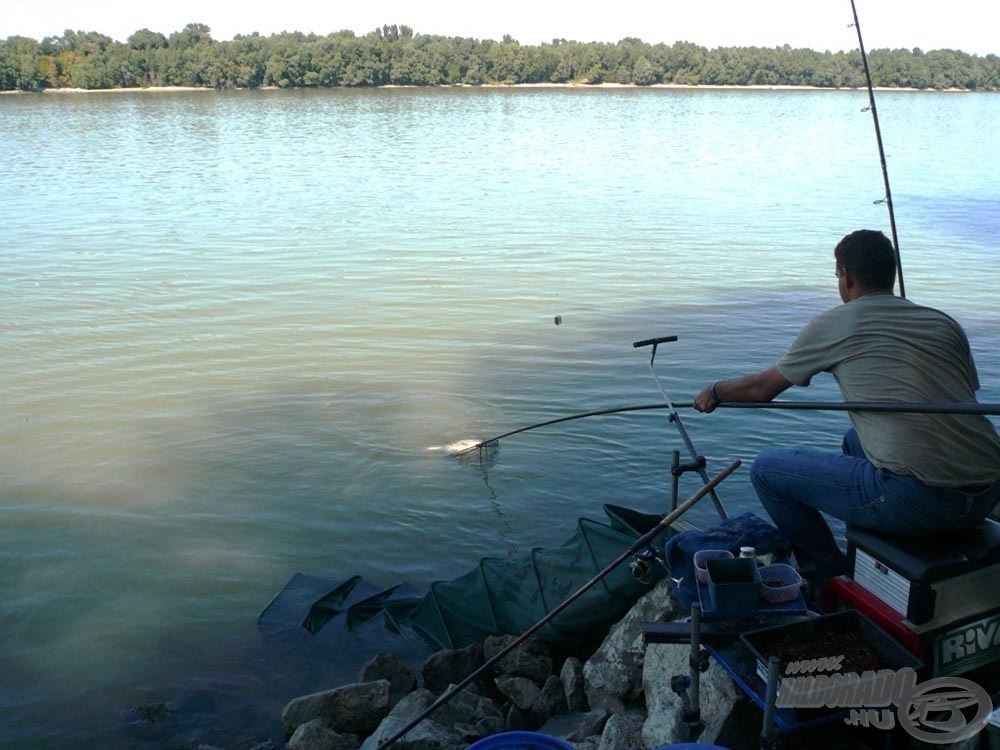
926, 578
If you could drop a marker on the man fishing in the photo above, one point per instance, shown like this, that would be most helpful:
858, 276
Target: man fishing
900, 473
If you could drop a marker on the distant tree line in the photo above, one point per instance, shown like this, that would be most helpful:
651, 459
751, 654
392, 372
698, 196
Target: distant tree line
396, 55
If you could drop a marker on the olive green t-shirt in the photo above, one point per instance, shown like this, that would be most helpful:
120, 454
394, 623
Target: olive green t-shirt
880, 347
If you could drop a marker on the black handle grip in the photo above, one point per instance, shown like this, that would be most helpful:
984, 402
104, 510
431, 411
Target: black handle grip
649, 342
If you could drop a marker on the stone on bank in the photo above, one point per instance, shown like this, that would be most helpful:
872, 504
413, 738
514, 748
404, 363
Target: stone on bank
617, 698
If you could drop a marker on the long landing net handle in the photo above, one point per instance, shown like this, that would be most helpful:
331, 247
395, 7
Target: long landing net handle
653, 342
640, 543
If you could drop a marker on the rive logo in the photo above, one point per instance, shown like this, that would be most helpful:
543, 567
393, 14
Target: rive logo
969, 646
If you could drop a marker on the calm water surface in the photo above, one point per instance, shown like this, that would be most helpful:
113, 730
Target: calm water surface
234, 323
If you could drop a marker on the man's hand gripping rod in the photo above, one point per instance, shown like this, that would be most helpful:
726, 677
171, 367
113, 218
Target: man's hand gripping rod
674, 417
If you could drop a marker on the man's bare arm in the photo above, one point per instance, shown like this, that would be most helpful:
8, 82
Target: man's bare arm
760, 386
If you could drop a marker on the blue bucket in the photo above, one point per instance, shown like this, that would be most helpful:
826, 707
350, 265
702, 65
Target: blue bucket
520, 741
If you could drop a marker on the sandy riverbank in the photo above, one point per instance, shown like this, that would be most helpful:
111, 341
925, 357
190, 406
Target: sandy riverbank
706, 87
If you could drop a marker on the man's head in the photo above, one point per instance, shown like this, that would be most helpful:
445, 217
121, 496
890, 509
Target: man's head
866, 262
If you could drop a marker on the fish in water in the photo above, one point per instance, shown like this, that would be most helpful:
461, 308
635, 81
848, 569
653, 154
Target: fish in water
461, 446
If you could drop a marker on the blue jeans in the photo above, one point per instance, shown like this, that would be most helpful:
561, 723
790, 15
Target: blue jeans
794, 485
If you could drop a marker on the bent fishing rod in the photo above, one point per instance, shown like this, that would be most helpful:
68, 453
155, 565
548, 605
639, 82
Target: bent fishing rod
642, 542
881, 151
902, 407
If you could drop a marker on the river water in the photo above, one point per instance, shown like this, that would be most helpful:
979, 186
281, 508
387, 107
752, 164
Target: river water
232, 325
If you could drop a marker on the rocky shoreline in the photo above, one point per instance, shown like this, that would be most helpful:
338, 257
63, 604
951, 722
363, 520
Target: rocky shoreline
618, 697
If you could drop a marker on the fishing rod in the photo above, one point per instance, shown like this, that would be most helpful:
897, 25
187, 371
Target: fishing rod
904, 407
881, 151
644, 541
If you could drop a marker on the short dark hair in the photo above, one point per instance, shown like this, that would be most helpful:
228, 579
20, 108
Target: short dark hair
869, 256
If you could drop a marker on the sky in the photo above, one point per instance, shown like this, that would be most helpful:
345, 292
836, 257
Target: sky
967, 25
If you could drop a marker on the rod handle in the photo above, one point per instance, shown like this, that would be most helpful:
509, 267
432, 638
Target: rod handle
651, 342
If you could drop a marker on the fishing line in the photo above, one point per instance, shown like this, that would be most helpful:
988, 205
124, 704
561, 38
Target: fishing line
881, 151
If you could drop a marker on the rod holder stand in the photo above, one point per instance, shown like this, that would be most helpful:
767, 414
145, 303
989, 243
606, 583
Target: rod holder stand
770, 737
679, 469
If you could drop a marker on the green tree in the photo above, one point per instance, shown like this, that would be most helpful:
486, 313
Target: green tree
505, 61
144, 39
249, 60
685, 61
395, 54
19, 65
644, 74
190, 36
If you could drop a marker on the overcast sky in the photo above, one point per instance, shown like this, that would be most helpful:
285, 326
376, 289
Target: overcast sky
968, 25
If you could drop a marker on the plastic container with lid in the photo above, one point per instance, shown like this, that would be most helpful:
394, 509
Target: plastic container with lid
701, 558
779, 583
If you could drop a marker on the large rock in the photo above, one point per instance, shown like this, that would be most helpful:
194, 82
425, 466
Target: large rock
467, 706
520, 691
517, 720
550, 702
529, 659
350, 709
571, 675
623, 732
573, 683
448, 667
387, 666
613, 675
575, 727
427, 735
315, 735
717, 696
490, 725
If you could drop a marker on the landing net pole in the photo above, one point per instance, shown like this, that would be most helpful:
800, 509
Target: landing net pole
699, 461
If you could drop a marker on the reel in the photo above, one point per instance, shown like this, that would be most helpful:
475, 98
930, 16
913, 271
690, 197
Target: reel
642, 565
